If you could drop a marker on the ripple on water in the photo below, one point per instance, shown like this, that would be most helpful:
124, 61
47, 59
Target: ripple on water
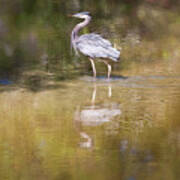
137, 81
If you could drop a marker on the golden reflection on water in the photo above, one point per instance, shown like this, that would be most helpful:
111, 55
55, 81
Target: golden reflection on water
123, 129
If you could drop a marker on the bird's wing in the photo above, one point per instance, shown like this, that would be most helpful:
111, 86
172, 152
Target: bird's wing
94, 46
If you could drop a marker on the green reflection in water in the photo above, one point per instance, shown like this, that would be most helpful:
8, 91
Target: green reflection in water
123, 129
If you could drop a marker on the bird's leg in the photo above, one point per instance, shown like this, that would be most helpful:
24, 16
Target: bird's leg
109, 68
93, 67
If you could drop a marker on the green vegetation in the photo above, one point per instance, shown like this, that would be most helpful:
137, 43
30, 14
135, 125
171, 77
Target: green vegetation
35, 34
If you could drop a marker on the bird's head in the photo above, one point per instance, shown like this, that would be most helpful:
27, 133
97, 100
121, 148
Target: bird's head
82, 15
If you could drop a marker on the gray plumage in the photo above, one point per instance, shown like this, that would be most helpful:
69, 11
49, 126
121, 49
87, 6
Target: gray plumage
92, 45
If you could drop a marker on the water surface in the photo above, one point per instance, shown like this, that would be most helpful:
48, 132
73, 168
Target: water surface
125, 128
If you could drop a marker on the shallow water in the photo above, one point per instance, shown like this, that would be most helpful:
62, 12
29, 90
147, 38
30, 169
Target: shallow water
126, 128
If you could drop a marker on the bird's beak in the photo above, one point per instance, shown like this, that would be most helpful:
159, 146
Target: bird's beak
73, 15
69, 15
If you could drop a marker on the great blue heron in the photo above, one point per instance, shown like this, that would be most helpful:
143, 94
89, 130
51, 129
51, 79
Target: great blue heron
92, 45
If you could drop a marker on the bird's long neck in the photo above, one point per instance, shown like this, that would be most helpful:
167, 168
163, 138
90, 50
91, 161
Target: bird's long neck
78, 27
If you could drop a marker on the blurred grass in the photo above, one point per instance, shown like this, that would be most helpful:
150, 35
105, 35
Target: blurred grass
35, 35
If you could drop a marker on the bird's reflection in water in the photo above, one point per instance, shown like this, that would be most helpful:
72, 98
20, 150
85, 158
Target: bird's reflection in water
95, 115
